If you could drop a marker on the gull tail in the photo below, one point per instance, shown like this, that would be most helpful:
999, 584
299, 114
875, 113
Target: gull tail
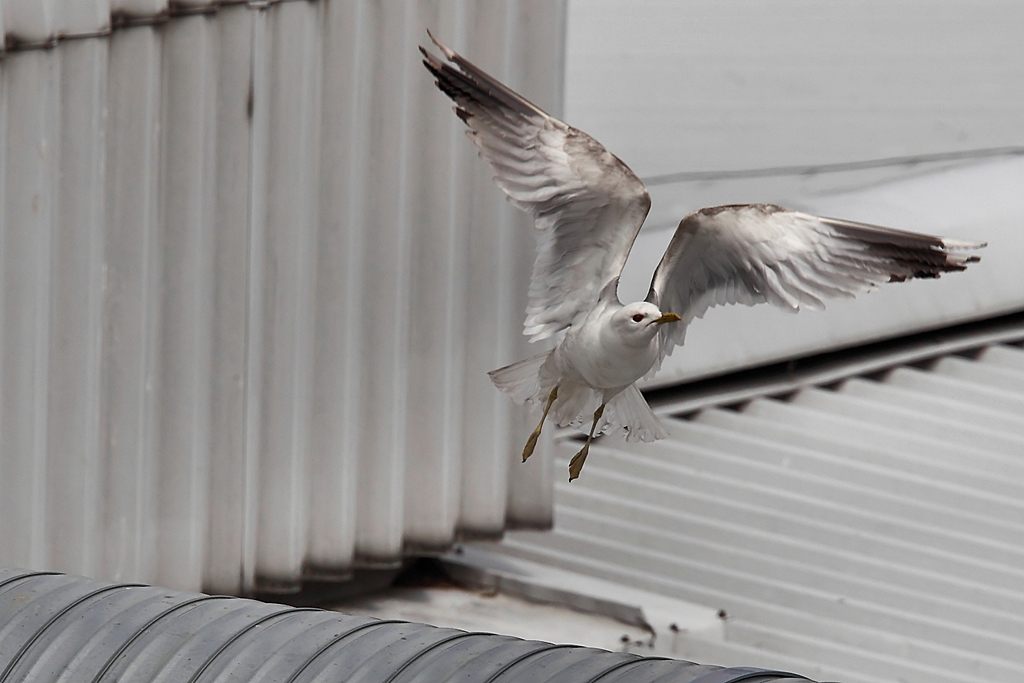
626, 413
523, 381
530, 381
628, 410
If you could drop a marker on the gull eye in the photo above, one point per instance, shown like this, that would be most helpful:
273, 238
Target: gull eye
637, 317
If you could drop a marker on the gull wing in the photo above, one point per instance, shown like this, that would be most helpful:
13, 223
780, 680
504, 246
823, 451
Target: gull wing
756, 253
587, 205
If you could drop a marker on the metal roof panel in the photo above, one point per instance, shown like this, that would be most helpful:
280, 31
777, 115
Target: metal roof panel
871, 525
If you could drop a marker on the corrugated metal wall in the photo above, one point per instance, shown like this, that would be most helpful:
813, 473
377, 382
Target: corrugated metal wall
252, 278
866, 530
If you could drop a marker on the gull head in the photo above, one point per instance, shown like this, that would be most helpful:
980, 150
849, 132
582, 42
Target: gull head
637, 323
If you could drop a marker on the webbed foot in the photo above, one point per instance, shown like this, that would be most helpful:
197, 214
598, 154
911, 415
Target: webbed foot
531, 443
576, 464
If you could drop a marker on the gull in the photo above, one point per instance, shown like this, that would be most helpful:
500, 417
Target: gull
588, 207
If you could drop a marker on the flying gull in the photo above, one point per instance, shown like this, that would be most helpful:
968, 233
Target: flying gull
588, 207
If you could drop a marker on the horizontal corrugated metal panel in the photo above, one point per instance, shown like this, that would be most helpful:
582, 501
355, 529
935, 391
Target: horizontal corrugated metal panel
252, 284
866, 530
59, 628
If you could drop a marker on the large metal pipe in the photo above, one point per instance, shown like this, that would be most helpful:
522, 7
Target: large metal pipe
55, 627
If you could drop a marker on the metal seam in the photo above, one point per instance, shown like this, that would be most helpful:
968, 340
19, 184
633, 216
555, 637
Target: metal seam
28, 575
121, 20
428, 650
736, 674
623, 664
235, 638
839, 167
526, 655
52, 620
337, 639
148, 625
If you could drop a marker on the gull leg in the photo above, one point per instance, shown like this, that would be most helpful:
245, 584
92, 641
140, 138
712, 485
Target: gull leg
531, 443
576, 464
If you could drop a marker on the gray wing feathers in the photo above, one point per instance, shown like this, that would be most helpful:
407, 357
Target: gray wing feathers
587, 205
757, 253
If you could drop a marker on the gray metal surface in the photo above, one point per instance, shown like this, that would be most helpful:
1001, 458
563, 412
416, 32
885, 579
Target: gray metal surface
253, 280
62, 628
868, 530
744, 84
706, 86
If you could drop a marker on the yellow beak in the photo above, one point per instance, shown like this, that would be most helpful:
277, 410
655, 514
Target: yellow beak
667, 318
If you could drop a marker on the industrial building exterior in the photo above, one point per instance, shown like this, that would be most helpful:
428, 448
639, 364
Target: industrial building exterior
253, 277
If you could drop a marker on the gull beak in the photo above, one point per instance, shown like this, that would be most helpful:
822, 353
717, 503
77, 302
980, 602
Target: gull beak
667, 318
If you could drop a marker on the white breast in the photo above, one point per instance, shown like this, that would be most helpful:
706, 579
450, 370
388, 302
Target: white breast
601, 358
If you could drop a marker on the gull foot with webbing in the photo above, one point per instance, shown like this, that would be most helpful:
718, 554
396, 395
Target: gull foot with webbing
531, 443
576, 464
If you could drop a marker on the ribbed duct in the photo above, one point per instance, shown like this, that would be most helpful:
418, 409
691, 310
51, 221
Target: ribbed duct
64, 628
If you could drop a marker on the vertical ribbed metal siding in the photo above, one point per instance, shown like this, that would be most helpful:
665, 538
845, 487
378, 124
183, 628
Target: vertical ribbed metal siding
253, 279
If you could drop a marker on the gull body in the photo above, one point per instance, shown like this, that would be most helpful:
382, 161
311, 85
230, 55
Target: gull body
614, 346
595, 365
588, 207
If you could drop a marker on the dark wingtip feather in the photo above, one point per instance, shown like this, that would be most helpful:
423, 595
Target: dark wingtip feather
473, 83
447, 51
912, 255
